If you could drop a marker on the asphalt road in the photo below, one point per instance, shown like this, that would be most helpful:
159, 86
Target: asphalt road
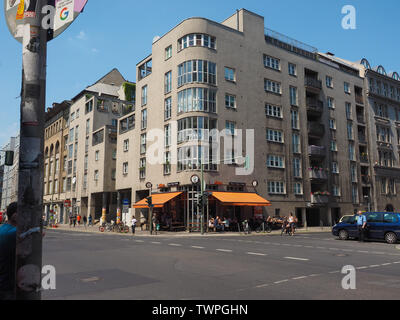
308, 266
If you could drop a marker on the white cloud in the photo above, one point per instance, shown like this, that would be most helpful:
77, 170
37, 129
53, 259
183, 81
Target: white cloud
82, 35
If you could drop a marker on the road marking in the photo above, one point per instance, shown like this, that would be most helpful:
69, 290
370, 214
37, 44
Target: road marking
141, 241
385, 264
256, 254
314, 275
262, 286
300, 259
223, 250
361, 268
196, 247
299, 278
396, 262
282, 281
363, 251
155, 242
374, 266
175, 245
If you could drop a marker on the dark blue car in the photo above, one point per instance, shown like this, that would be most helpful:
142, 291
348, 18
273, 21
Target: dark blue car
380, 226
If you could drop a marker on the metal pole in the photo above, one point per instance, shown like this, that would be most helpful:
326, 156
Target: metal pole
150, 216
202, 191
30, 175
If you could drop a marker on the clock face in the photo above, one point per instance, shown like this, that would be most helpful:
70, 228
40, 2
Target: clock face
195, 179
255, 183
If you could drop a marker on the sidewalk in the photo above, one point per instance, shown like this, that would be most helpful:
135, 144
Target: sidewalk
139, 233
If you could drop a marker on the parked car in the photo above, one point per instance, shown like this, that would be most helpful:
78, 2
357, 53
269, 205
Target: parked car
380, 226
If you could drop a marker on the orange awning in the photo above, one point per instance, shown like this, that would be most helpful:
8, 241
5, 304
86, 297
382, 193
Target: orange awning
241, 199
158, 200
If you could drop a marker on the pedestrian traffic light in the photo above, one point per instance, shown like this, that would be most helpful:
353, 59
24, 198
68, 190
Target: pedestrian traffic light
9, 159
149, 202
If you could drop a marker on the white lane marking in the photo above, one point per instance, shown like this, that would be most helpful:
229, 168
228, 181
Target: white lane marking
363, 251
374, 266
223, 250
256, 254
396, 262
294, 258
175, 245
141, 241
282, 281
385, 264
361, 268
262, 286
196, 247
155, 242
314, 275
299, 278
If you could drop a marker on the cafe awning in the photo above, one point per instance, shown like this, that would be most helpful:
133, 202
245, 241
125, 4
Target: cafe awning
241, 199
158, 200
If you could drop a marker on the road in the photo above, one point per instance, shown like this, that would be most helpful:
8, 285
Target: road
307, 266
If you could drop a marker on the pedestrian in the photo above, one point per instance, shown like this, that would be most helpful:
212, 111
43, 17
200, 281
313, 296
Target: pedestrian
8, 238
84, 221
133, 225
90, 221
79, 218
291, 224
154, 222
362, 226
74, 220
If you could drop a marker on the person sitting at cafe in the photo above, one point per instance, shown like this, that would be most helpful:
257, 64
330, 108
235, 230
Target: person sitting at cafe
211, 224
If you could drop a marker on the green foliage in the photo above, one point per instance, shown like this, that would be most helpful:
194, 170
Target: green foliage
130, 91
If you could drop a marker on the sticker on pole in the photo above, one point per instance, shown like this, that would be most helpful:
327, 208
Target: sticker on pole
57, 15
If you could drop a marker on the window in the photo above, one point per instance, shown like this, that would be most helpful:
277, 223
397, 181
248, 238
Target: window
336, 191
142, 168
272, 86
87, 126
351, 152
390, 218
273, 111
125, 168
196, 40
296, 143
167, 135
293, 96
332, 124
64, 185
274, 136
349, 112
347, 88
145, 69
195, 128
167, 162
298, 188
354, 193
144, 119
96, 155
229, 74
350, 131
144, 95
295, 119
230, 101
86, 162
168, 82
71, 135
72, 116
272, 63
70, 151
292, 69
197, 99
126, 145
197, 71
89, 106
381, 110
329, 82
168, 52
297, 168
331, 103
383, 134
335, 167
392, 186
333, 145
230, 126
353, 173
275, 162
276, 187
167, 108
77, 114
96, 175
143, 143
114, 154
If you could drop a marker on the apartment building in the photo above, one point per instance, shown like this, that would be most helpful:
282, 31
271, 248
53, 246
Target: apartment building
380, 159
89, 159
10, 175
237, 75
55, 159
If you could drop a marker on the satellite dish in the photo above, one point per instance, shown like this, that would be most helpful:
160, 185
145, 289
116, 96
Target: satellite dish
156, 38
57, 15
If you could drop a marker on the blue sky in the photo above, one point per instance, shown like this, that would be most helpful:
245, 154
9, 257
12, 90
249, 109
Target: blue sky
120, 35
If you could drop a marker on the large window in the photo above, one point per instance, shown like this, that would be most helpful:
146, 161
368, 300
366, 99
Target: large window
167, 108
274, 135
197, 99
144, 95
144, 119
168, 82
272, 63
274, 161
230, 74
190, 157
196, 40
273, 111
127, 124
195, 128
276, 187
199, 71
272, 86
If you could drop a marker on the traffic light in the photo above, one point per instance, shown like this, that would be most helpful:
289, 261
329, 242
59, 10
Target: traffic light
9, 160
149, 202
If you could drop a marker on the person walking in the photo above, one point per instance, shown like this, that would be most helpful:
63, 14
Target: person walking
133, 225
8, 239
74, 220
90, 221
79, 219
84, 221
362, 226
291, 224
154, 221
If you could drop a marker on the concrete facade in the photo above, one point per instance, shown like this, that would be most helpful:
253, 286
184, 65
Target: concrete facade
10, 175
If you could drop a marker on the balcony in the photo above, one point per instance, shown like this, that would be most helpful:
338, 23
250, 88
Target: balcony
315, 106
317, 174
319, 199
365, 179
316, 151
362, 138
360, 119
364, 158
359, 99
313, 84
316, 129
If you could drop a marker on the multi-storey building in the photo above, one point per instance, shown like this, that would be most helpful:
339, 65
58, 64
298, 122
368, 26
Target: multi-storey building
88, 173
237, 75
55, 156
380, 126
10, 175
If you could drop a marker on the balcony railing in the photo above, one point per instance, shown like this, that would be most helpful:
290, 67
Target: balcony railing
315, 105
318, 175
364, 159
313, 83
317, 151
319, 199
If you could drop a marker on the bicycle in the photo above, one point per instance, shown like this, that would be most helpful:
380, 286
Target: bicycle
121, 228
106, 227
264, 227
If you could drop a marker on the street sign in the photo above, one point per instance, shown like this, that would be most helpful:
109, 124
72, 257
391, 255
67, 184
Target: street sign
57, 15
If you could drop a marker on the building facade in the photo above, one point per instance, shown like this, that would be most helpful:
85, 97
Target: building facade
10, 175
233, 76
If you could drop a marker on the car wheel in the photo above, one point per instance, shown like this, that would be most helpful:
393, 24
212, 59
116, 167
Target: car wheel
343, 235
391, 238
